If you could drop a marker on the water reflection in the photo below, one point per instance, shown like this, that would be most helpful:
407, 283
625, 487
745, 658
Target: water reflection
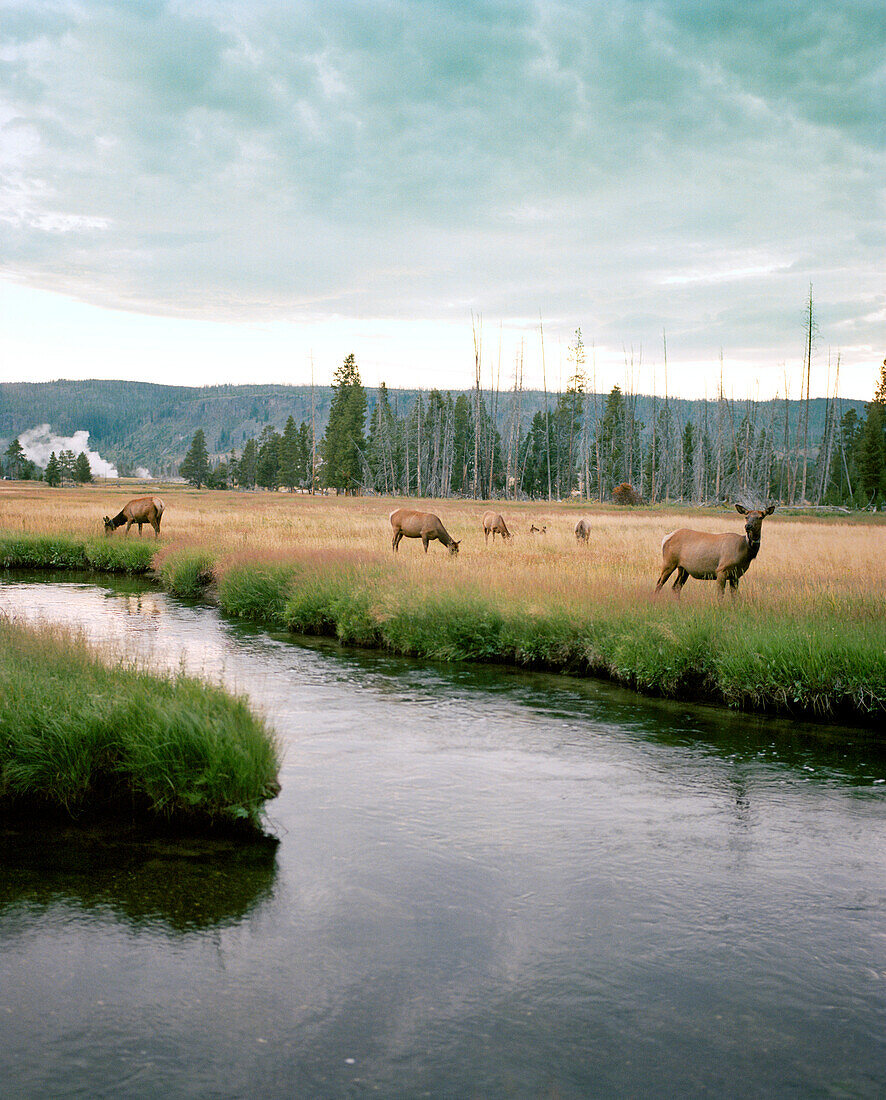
142, 880
488, 884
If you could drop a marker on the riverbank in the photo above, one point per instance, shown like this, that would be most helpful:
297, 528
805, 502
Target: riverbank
806, 636
88, 737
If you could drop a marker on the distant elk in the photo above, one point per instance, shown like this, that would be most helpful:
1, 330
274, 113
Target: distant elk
709, 557
533, 530
410, 524
495, 523
140, 510
583, 530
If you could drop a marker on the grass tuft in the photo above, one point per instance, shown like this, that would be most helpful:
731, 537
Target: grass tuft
83, 737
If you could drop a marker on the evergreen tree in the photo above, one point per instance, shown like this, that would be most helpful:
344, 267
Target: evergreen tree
267, 472
303, 457
52, 474
343, 443
82, 469
462, 444
289, 448
218, 476
612, 440
195, 465
872, 445
247, 466
688, 460
15, 459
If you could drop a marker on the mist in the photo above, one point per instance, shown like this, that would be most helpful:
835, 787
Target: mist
39, 443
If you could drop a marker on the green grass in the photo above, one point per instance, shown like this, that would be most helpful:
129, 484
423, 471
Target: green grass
65, 552
186, 573
819, 664
826, 662
81, 737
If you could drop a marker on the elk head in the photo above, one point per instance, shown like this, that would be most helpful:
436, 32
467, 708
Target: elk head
754, 522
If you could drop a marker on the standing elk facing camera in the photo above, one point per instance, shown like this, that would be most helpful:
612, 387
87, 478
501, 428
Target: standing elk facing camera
495, 523
140, 510
410, 524
709, 557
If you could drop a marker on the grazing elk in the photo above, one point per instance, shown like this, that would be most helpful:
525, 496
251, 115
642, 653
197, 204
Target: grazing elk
495, 523
140, 510
410, 524
709, 557
583, 530
533, 530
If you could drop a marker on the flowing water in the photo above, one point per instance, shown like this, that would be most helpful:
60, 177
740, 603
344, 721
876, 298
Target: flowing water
487, 884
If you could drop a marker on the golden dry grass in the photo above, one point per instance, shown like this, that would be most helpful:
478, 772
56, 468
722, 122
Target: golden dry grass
805, 564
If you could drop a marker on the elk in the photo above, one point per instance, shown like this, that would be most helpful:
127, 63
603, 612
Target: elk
583, 530
533, 530
709, 557
140, 510
495, 523
410, 524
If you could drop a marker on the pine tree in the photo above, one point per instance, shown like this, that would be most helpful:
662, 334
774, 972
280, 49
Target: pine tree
15, 459
303, 472
52, 474
343, 443
267, 473
247, 466
195, 465
82, 469
872, 445
289, 455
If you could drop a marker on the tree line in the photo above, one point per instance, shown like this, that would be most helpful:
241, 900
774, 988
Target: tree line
597, 447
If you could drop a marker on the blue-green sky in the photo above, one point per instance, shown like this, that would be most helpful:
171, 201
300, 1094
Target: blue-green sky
222, 191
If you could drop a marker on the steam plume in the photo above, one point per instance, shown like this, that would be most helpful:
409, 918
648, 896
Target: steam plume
38, 443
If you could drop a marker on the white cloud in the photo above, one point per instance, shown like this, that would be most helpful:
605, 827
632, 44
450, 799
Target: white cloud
608, 164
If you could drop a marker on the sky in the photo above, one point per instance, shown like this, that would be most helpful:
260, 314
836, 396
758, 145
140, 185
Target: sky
236, 191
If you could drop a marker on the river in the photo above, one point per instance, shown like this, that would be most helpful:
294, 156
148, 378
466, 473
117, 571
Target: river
488, 884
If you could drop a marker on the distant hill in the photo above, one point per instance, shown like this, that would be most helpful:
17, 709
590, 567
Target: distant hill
140, 424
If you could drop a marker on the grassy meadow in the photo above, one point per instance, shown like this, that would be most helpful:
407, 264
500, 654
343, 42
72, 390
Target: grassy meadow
806, 635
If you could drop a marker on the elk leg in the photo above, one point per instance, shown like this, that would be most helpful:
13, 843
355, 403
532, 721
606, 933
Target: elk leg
665, 573
682, 578
425, 541
139, 530
722, 578
128, 525
396, 540
486, 536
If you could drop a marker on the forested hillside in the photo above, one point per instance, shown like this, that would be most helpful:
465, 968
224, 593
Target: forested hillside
136, 424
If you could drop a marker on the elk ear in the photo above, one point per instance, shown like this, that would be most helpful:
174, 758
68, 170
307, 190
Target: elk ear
741, 508
769, 510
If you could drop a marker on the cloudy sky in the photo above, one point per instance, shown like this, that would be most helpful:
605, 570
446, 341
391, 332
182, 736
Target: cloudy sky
229, 190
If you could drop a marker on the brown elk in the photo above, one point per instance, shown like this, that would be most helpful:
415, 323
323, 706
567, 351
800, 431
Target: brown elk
710, 557
140, 510
533, 530
495, 523
583, 530
410, 524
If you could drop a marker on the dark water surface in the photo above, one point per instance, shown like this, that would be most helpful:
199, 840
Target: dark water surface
488, 884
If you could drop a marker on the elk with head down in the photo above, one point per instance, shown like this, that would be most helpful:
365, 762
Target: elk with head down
495, 523
723, 558
140, 510
583, 530
411, 524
